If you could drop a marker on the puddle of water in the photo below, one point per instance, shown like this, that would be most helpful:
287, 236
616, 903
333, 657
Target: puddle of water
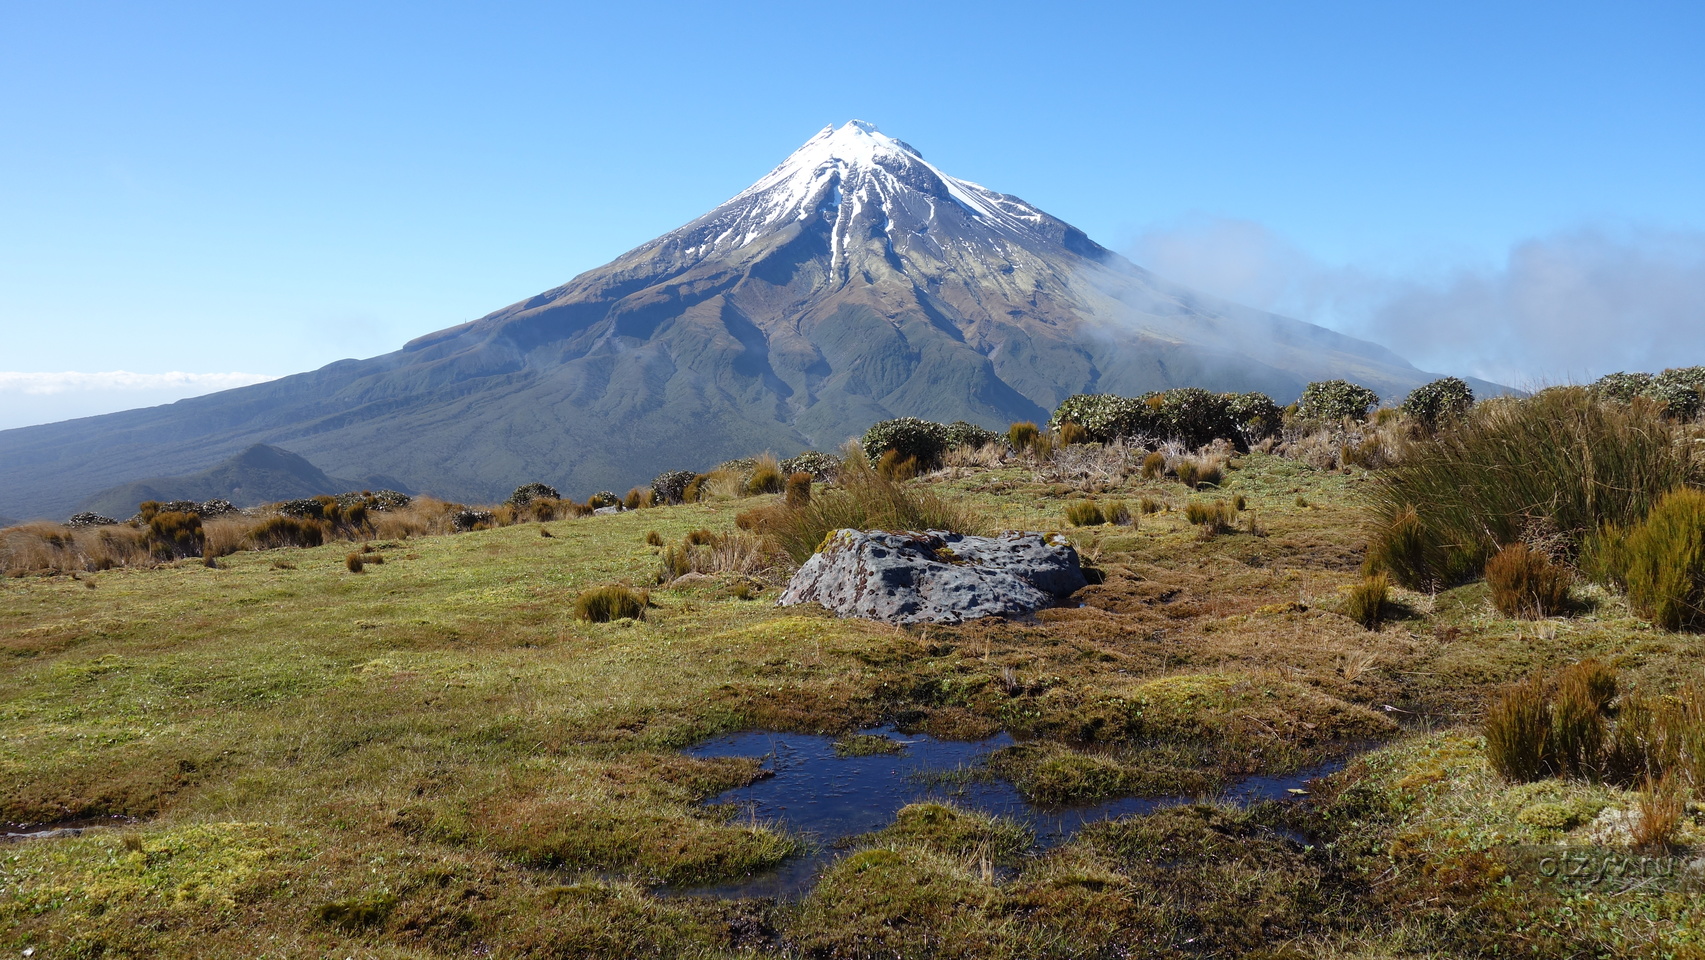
826, 798
11, 832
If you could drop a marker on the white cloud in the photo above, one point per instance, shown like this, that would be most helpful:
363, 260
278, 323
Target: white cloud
31, 398
1569, 306
189, 384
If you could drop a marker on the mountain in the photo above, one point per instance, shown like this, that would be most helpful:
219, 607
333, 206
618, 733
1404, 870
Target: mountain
853, 283
260, 474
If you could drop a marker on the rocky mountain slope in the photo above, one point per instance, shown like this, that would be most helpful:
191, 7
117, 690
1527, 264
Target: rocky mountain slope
854, 282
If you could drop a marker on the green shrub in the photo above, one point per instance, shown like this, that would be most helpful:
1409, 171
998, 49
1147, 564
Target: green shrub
528, 492
1105, 417
1659, 561
1333, 400
766, 476
1621, 387
823, 467
285, 531
1196, 417
1435, 404
1365, 602
671, 485
909, 438
963, 434
1526, 584
603, 498
864, 500
1559, 464
1084, 513
1680, 390
1256, 415
603, 604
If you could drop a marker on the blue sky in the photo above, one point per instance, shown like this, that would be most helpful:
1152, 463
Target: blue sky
1512, 190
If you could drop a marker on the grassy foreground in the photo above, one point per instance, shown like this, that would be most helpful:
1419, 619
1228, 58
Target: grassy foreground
433, 757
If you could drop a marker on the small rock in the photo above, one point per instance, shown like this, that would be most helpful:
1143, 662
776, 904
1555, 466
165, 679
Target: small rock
936, 577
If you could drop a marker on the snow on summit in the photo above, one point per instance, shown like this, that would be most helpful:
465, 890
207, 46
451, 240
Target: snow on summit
855, 176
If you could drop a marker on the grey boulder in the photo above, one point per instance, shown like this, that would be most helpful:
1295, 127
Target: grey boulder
936, 577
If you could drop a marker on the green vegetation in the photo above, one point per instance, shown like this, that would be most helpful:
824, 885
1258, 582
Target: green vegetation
1334, 400
1660, 560
1552, 468
475, 744
1525, 583
1436, 404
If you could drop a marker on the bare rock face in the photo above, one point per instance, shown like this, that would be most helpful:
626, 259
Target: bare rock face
936, 577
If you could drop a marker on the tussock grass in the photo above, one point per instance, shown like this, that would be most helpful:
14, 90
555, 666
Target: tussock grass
1366, 602
1084, 513
865, 500
1526, 584
603, 604
1558, 466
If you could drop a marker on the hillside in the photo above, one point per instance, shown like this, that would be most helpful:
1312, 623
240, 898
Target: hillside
854, 282
260, 474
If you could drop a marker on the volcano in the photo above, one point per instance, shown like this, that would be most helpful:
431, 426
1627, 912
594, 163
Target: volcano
853, 283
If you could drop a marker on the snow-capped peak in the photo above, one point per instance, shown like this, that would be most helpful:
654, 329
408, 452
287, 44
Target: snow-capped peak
863, 183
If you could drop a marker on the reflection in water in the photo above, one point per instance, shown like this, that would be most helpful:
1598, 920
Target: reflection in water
826, 798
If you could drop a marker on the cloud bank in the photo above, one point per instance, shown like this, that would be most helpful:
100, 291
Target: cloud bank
1568, 306
31, 398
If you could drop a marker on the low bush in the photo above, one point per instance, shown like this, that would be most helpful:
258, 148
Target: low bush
671, 485
528, 492
1334, 400
1435, 404
1366, 602
963, 434
1659, 561
823, 467
1526, 584
1105, 417
603, 498
603, 604
1084, 513
909, 438
1256, 415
